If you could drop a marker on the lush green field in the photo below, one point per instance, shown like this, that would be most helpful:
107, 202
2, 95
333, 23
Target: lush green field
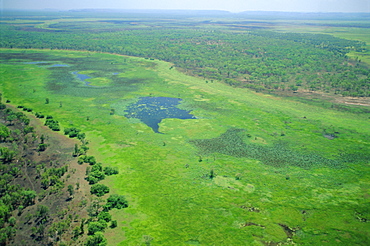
252, 169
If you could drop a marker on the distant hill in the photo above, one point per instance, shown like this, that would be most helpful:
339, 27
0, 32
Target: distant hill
155, 11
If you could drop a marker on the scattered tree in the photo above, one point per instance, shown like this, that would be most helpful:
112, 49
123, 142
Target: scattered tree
116, 201
99, 189
96, 240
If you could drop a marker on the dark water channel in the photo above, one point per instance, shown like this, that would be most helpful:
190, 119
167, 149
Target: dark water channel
46, 64
152, 110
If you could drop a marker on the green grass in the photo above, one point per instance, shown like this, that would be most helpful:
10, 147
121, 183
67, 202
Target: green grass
172, 199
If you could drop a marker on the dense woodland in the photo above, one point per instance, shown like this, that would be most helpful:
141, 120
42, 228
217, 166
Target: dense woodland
265, 61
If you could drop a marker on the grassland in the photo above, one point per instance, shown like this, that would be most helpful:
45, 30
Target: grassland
184, 193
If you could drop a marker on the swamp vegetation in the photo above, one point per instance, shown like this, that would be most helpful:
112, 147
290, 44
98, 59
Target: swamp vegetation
210, 132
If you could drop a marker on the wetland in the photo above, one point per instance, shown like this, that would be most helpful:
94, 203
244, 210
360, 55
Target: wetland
256, 146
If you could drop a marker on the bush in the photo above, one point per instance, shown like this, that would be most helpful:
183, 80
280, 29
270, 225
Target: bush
90, 159
39, 115
97, 167
81, 136
99, 189
110, 171
42, 147
28, 129
96, 240
104, 216
52, 124
94, 227
113, 224
81, 159
116, 201
71, 132
87, 159
92, 179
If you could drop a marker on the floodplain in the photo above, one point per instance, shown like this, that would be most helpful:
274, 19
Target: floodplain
249, 168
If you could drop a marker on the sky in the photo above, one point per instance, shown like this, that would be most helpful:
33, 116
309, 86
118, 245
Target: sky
228, 5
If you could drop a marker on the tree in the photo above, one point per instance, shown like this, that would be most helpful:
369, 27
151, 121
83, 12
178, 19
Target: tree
116, 201
42, 147
42, 212
27, 129
71, 132
83, 149
104, 216
113, 224
70, 190
94, 227
212, 174
76, 232
96, 240
97, 167
99, 189
82, 226
28, 197
81, 136
6, 154
94, 207
76, 150
4, 133
12, 221
110, 171
11, 118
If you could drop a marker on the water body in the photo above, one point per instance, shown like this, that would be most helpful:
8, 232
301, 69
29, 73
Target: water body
152, 110
82, 77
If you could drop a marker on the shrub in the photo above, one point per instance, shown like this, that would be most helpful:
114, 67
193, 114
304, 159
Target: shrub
28, 129
116, 201
110, 171
90, 159
52, 124
99, 189
96, 240
104, 216
39, 115
42, 147
94, 227
97, 167
71, 132
113, 224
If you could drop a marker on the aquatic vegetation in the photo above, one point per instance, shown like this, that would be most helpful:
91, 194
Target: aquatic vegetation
279, 154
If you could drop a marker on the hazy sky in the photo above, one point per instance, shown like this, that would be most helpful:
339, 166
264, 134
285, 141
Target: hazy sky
229, 5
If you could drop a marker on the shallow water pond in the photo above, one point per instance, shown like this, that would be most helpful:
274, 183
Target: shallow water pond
152, 110
82, 77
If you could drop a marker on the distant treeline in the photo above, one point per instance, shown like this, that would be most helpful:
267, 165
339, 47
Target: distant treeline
261, 60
